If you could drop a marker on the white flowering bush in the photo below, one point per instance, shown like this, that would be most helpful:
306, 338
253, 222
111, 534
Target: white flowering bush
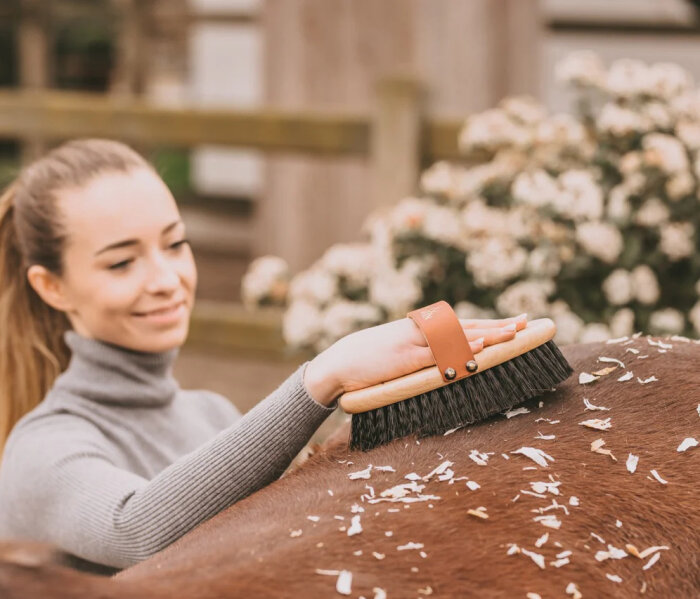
590, 219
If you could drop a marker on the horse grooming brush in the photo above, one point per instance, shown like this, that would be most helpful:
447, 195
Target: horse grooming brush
461, 388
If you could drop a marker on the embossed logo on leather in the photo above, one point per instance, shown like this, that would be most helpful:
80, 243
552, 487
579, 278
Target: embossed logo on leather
427, 314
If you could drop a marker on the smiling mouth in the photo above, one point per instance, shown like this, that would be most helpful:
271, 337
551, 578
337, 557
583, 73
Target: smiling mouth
165, 310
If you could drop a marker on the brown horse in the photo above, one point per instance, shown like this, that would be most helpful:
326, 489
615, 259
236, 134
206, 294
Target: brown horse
467, 514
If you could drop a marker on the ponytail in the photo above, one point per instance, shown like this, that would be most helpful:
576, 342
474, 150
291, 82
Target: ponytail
32, 350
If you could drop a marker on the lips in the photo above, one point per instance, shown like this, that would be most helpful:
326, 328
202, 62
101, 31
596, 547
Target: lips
163, 310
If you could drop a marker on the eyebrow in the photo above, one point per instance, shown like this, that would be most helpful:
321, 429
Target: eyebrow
128, 242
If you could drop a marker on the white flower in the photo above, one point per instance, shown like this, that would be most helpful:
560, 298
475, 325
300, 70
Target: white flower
343, 317
656, 115
646, 287
562, 130
618, 121
601, 240
468, 310
619, 208
622, 323
496, 260
631, 162
439, 179
397, 291
687, 104
349, 260
543, 262
627, 78
665, 152
491, 130
525, 109
442, 224
694, 317
668, 320
266, 276
580, 198
536, 188
314, 285
680, 185
525, 296
652, 213
569, 325
594, 332
408, 215
669, 80
301, 324
677, 240
689, 133
582, 68
618, 287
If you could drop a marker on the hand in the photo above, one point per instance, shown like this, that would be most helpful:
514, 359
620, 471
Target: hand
388, 351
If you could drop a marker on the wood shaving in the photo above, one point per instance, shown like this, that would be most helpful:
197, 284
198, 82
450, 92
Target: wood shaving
597, 423
535, 557
550, 521
687, 443
650, 379
652, 561
384, 468
590, 406
343, 585
295, 533
389, 533
479, 458
473, 485
439, 470
536, 455
425, 591
545, 437
617, 340
656, 475
449, 432
542, 540
479, 512
510, 413
632, 461
585, 377
547, 420
379, 556
573, 500
409, 546
533, 596
604, 371
659, 343
572, 589
538, 495
648, 551
632, 350
379, 593
358, 553
313, 518
339, 517
698, 409
366, 473
618, 523
355, 526
423, 554
611, 553
611, 361
560, 562
505, 456
330, 492
327, 572
563, 554
356, 509
512, 549
613, 577
546, 487
597, 447
643, 357
626, 377
413, 476
680, 338
598, 538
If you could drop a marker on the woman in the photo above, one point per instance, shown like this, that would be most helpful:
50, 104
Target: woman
105, 456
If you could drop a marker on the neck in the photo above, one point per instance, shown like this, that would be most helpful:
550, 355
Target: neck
113, 374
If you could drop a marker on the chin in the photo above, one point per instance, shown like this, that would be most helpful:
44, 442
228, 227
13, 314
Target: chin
156, 342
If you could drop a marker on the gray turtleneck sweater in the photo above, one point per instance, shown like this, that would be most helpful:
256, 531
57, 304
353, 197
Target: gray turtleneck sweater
117, 461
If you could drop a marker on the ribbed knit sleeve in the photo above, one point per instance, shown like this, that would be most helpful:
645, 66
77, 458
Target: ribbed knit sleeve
61, 485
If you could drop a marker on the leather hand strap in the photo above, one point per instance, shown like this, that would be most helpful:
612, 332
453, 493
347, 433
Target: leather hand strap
446, 339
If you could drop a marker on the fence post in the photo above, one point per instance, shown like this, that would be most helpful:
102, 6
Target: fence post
33, 54
395, 140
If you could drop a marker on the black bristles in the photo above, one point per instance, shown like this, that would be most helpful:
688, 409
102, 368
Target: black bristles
466, 401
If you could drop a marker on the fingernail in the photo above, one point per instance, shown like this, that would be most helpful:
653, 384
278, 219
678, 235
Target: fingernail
510, 327
521, 316
480, 341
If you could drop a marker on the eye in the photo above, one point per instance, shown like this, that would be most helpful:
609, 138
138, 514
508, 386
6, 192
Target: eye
120, 265
179, 244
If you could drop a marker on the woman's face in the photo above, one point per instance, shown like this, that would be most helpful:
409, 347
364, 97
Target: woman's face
129, 278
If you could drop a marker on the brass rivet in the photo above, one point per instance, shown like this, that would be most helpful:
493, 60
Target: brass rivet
450, 373
472, 366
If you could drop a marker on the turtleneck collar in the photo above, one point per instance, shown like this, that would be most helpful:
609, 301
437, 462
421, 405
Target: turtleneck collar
113, 374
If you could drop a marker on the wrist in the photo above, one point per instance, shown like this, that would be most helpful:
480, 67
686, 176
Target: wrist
320, 383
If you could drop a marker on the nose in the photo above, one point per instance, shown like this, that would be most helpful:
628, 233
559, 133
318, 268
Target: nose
162, 275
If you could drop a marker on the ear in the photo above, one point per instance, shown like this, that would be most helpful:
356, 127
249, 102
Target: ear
48, 286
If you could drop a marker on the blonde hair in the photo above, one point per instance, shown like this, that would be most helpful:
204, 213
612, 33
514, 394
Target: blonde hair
32, 350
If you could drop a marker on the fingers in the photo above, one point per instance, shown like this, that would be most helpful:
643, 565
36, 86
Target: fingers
490, 323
